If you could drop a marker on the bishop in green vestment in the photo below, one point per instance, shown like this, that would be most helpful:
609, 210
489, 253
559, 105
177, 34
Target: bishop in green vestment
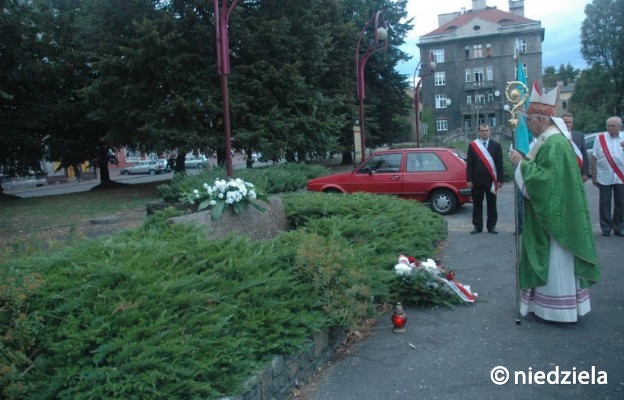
558, 260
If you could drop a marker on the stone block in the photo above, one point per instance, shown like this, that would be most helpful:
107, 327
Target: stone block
253, 223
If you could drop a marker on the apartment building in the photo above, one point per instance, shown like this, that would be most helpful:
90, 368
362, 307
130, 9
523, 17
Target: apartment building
475, 54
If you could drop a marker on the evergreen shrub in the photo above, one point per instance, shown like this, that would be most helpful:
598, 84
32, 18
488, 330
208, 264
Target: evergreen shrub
279, 178
162, 312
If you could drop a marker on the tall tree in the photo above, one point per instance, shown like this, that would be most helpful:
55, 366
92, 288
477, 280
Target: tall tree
567, 73
23, 69
602, 46
549, 77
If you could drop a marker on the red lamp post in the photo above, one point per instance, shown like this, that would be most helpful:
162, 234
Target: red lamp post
432, 67
223, 65
381, 35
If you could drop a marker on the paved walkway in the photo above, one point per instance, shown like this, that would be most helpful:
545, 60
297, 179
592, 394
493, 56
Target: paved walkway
450, 353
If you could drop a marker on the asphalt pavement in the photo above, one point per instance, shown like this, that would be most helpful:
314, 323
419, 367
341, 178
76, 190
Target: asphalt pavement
458, 353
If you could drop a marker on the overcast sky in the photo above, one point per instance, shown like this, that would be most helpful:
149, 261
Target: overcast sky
561, 19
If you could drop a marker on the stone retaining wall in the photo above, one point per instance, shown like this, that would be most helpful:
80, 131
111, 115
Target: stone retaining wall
288, 372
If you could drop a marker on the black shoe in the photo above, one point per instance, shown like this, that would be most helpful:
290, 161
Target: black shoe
475, 230
606, 233
618, 233
493, 231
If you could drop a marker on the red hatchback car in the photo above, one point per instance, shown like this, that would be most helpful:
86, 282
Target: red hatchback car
433, 175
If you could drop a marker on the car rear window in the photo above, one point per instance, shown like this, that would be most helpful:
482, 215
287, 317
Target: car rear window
424, 162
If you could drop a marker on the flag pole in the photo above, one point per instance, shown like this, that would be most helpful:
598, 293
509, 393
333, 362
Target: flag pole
517, 98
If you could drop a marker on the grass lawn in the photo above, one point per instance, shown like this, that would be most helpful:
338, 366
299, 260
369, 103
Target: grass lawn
31, 224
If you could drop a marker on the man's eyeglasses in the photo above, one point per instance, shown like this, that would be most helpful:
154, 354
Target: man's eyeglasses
529, 119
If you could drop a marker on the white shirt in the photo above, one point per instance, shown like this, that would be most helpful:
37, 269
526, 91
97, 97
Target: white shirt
604, 173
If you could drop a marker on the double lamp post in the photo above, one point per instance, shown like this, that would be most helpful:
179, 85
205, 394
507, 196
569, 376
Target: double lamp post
380, 42
223, 65
432, 66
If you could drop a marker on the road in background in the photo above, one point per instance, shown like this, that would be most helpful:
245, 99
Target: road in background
74, 186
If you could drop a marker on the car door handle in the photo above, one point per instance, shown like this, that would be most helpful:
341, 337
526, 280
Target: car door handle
396, 177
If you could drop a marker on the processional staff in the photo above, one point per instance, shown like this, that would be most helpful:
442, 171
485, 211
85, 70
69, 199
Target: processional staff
517, 94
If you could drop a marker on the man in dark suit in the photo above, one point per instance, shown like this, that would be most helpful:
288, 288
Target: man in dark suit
579, 140
484, 173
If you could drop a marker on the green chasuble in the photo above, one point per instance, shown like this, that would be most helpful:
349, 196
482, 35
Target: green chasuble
556, 207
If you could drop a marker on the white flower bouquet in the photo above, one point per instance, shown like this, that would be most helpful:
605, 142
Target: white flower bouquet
234, 193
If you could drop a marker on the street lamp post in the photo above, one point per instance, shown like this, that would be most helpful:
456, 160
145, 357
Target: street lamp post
381, 35
223, 65
448, 103
432, 67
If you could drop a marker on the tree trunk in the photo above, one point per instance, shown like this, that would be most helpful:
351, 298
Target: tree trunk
179, 164
347, 158
103, 159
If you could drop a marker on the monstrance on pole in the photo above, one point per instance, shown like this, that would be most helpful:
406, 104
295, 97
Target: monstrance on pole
517, 94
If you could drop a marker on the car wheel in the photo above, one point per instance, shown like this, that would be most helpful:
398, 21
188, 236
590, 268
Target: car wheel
443, 201
332, 191
152, 172
124, 172
200, 165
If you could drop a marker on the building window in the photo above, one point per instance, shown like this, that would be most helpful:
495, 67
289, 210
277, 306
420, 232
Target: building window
478, 74
564, 104
442, 125
468, 75
438, 56
492, 118
477, 51
467, 52
524, 69
440, 78
440, 100
489, 72
488, 50
522, 47
469, 100
479, 98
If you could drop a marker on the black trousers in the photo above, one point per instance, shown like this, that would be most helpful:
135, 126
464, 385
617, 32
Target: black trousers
610, 221
479, 193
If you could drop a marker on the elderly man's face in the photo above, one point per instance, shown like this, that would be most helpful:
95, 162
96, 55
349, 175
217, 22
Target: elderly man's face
569, 121
613, 128
537, 123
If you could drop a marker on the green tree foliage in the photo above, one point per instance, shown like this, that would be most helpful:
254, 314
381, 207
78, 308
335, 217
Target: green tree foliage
590, 99
602, 46
566, 74
549, 77
23, 72
142, 74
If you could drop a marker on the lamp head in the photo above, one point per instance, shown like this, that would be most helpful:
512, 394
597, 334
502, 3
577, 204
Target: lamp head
382, 33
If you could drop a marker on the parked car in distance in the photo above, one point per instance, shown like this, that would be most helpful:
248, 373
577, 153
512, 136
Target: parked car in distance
151, 167
195, 162
433, 175
165, 162
590, 138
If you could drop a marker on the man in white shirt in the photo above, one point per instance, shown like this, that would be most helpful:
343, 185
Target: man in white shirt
608, 176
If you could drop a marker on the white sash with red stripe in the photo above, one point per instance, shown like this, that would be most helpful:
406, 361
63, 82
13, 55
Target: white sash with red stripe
613, 162
487, 160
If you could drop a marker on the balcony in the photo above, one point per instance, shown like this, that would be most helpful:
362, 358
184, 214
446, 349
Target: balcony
479, 85
482, 107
